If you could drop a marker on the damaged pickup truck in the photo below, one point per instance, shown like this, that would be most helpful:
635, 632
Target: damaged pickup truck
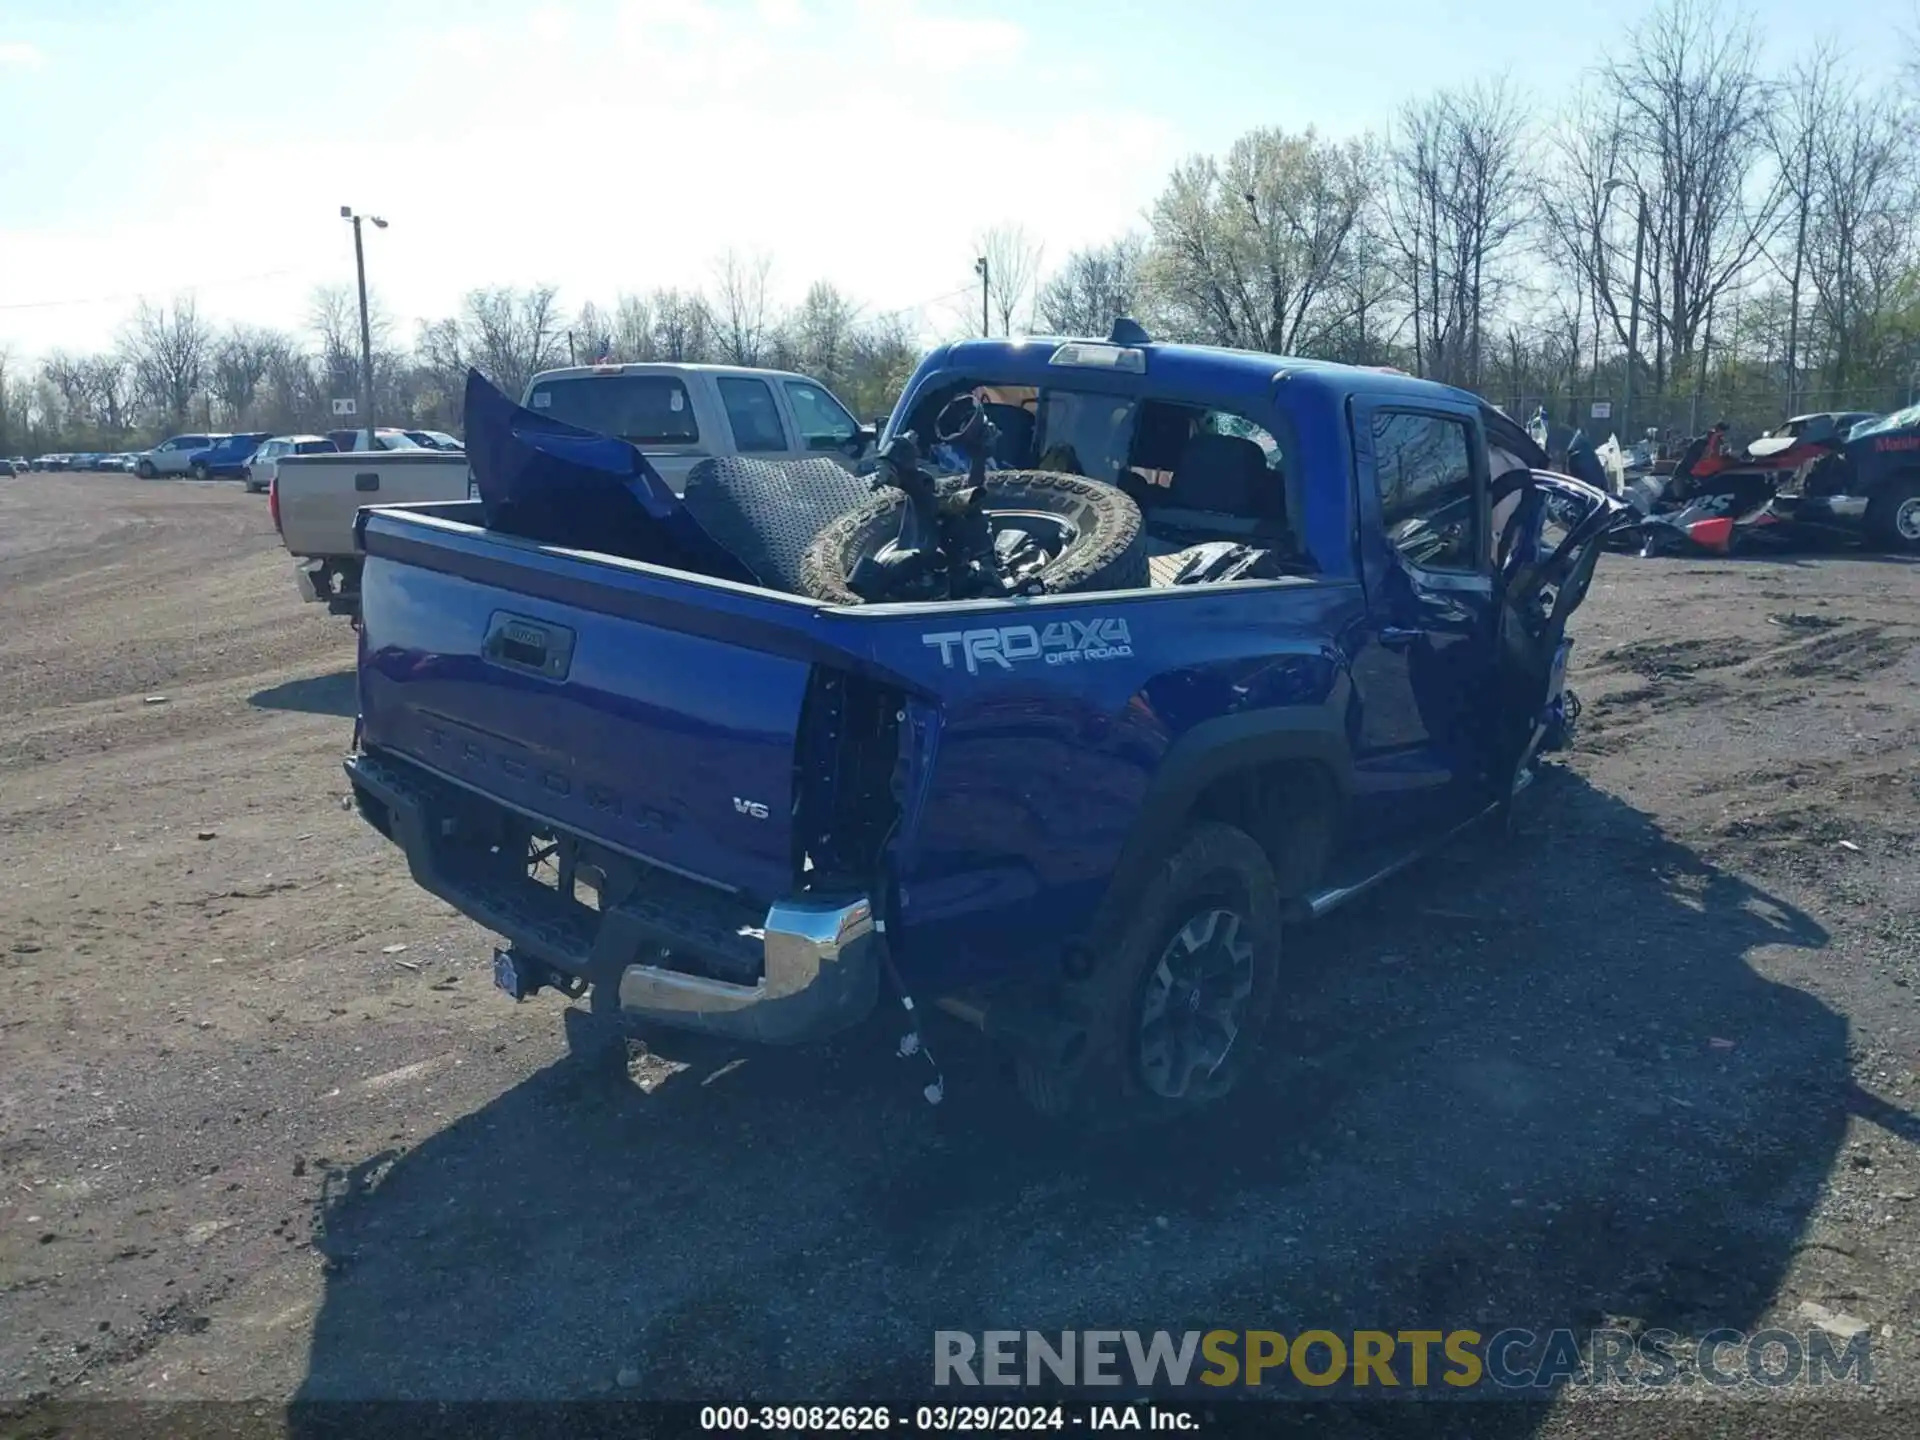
1201, 644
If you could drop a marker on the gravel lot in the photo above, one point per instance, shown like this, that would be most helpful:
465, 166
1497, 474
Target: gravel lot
1655, 1065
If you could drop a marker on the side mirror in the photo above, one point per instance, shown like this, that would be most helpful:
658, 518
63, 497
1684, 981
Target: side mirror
864, 439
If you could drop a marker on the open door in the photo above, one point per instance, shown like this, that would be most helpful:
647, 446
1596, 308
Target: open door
1544, 561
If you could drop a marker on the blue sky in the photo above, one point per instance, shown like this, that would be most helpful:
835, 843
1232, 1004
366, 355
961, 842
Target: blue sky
154, 146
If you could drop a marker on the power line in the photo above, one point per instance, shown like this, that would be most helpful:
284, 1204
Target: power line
125, 296
922, 305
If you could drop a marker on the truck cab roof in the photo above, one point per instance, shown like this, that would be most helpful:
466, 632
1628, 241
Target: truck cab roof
1172, 369
664, 367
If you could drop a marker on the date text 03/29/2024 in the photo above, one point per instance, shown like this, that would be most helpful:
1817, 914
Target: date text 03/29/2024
943, 1419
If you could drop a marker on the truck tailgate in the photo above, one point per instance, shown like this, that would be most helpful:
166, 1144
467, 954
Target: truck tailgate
319, 495
601, 697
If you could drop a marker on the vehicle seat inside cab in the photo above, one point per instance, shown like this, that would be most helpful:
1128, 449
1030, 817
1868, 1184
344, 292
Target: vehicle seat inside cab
1220, 489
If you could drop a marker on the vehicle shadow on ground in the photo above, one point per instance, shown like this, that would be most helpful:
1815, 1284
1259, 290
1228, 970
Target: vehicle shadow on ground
1539, 1084
335, 694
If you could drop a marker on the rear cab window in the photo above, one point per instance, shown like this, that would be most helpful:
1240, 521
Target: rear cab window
645, 410
1197, 472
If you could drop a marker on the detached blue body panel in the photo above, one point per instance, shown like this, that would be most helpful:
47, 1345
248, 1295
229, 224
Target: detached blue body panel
1033, 747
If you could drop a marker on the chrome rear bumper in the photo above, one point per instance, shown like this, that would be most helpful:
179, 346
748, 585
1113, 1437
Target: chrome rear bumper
822, 975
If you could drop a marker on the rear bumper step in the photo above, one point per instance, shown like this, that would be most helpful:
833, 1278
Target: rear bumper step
678, 952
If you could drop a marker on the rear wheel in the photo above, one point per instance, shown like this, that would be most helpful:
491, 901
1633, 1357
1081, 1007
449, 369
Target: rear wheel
1176, 1010
1893, 515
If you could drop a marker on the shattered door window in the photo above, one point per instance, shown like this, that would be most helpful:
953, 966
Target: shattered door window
1428, 501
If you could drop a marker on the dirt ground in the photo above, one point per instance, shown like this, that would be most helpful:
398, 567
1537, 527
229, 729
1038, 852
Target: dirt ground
266, 1131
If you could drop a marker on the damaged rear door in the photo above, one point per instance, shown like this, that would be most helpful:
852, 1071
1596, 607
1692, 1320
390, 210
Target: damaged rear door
1545, 556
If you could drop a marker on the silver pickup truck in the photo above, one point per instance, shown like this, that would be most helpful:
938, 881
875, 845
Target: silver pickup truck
678, 415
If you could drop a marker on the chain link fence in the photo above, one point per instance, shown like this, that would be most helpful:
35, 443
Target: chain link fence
1749, 411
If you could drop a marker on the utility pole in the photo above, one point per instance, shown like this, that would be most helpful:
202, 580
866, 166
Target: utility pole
986, 319
1633, 317
366, 325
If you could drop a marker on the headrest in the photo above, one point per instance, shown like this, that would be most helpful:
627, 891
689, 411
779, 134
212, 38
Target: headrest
1225, 473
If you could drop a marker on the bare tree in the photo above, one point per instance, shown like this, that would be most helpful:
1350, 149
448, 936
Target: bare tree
885, 351
740, 308
1013, 267
8, 420
240, 363
111, 387
1681, 122
170, 350
590, 336
293, 400
1794, 133
333, 315
821, 333
512, 334
682, 326
633, 328
1861, 238
1456, 206
1249, 251
68, 376
1094, 288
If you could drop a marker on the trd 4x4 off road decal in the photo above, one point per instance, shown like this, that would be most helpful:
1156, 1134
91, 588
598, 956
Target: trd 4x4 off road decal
1064, 642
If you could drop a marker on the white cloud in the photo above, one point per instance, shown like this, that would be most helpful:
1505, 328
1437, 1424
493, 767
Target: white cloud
854, 141
20, 55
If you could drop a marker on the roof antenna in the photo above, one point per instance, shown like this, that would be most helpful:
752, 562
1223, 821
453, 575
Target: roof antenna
1128, 332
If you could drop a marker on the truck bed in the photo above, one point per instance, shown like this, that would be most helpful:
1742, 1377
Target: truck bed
765, 746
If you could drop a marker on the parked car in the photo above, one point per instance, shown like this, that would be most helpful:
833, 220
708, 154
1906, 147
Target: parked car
265, 463
121, 463
434, 440
226, 458
1868, 484
171, 456
1315, 641
677, 415
385, 437
18, 464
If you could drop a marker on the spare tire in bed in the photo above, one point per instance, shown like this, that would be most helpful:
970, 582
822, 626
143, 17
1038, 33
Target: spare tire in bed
765, 513
1107, 550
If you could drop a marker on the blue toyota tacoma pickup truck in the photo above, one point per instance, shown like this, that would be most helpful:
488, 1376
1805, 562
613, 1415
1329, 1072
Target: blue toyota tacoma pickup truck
1078, 821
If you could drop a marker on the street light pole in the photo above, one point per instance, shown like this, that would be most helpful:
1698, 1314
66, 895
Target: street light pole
366, 325
986, 320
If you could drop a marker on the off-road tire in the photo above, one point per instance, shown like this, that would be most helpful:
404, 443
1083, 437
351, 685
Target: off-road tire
1893, 516
1108, 554
1211, 866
